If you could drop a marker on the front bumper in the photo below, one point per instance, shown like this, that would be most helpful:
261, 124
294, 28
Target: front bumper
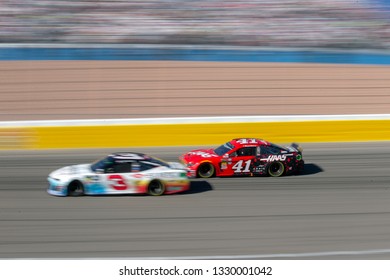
191, 173
56, 187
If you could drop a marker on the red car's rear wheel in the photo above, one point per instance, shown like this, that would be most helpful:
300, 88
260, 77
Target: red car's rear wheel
276, 169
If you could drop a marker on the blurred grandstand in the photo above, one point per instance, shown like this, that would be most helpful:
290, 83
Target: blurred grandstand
263, 23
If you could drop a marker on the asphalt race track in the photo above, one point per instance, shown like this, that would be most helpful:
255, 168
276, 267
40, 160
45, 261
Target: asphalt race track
338, 209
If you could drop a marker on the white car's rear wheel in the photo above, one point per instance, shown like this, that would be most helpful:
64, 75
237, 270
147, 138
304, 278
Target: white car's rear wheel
156, 188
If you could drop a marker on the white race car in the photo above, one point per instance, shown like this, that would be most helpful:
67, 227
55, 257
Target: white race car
120, 173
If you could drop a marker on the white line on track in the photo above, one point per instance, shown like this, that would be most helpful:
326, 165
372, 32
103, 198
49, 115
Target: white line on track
282, 255
195, 120
248, 257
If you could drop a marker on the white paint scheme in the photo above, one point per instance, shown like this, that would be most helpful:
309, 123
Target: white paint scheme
130, 181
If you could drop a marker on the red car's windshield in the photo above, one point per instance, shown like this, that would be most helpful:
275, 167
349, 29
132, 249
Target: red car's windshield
223, 149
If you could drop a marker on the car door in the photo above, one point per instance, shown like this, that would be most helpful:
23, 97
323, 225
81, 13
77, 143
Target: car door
117, 178
242, 160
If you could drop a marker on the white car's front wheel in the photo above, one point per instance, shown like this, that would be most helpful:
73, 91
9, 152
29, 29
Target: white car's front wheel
75, 188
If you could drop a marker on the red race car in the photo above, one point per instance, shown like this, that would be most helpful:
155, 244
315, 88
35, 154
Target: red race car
244, 157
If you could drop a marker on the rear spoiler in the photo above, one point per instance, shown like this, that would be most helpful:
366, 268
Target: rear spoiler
294, 147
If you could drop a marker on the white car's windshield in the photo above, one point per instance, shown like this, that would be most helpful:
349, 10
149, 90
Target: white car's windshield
102, 163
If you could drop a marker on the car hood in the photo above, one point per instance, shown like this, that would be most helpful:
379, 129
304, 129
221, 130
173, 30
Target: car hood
199, 155
71, 170
176, 165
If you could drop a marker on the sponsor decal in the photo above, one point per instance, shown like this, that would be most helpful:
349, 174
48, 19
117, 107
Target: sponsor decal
136, 167
167, 175
202, 154
92, 178
271, 158
247, 141
259, 169
224, 165
59, 188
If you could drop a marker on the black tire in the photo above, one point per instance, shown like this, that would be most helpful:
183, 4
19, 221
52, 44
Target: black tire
156, 188
206, 170
276, 169
75, 188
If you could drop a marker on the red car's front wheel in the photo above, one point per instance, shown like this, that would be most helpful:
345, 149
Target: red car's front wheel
206, 170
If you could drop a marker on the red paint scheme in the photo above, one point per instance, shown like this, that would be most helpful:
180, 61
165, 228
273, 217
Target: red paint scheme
244, 157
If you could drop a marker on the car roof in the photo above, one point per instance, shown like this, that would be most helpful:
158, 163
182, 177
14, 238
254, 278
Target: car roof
249, 142
131, 156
